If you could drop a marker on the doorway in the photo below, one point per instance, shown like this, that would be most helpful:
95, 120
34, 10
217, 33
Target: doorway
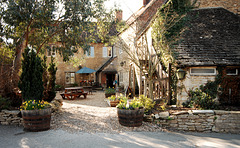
110, 80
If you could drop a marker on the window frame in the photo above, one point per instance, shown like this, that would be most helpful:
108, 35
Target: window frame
50, 53
203, 74
90, 52
70, 79
232, 74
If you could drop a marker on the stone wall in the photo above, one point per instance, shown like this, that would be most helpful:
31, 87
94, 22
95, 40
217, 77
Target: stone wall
191, 82
231, 5
10, 117
201, 121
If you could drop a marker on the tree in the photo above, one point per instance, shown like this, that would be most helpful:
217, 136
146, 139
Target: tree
35, 23
52, 69
31, 83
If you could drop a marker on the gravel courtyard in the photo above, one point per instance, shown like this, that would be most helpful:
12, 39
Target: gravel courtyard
92, 115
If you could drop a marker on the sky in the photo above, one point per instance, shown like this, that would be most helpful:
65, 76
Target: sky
127, 6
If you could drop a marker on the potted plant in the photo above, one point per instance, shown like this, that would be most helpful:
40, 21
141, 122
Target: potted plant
130, 113
113, 101
35, 112
36, 115
110, 91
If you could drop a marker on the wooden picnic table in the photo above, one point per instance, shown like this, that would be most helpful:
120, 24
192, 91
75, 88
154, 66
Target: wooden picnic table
71, 93
88, 88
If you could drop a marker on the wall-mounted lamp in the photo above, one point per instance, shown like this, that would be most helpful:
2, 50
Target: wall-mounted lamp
181, 74
122, 63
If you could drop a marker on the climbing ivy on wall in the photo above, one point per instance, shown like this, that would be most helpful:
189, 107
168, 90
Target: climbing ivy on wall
169, 23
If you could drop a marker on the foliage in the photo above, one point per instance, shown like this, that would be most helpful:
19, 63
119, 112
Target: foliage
147, 103
5, 103
31, 83
200, 99
110, 90
52, 69
58, 87
75, 85
6, 54
112, 98
134, 104
34, 104
168, 25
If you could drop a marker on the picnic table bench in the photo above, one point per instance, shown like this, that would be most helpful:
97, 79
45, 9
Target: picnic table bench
72, 93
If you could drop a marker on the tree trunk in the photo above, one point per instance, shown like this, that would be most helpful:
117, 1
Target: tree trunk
151, 88
17, 65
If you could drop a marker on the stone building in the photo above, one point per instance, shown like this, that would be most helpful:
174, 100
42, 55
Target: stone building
212, 42
97, 56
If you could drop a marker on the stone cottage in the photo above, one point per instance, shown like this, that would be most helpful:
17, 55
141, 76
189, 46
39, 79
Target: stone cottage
211, 43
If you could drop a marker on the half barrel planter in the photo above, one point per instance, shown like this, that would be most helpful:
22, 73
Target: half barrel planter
36, 120
114, 103
130, 118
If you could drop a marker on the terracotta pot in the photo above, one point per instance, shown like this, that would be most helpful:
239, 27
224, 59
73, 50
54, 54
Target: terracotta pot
130, 118
36, 120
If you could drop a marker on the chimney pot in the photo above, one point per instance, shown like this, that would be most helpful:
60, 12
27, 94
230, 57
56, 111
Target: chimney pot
145, 2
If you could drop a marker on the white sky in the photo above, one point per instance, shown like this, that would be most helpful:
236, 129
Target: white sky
127, 6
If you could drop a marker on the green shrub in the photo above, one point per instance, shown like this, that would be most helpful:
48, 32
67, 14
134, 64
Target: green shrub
147, 103
110, 90
5, 103
200, 99
31, 83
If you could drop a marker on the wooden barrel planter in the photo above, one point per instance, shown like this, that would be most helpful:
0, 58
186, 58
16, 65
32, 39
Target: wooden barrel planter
114, 103
36, 120
130, 118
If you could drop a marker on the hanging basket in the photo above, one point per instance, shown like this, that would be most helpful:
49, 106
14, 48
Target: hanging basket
130, 118
36, 120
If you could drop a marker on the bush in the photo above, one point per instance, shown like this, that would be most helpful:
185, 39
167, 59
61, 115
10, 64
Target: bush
110, 90
147, 103
5, 103
200, 99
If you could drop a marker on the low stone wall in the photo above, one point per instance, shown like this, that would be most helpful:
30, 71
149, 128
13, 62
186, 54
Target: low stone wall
10, 117
201, 121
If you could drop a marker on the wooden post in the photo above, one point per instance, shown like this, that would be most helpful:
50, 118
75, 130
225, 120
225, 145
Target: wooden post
169, 83
134, 82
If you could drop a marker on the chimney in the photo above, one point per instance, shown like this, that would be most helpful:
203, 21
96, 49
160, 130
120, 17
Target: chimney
118, 15
145, 2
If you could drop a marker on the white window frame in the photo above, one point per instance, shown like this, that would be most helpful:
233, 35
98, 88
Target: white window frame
90, 52
107, 52
51, 53
204, 74
72, 77
232, 74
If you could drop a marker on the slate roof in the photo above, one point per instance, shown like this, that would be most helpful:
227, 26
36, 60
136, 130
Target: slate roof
213, 38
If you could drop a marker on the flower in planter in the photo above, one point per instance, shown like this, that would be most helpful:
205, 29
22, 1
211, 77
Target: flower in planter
34, 105
112, 98
110, 90
130, 105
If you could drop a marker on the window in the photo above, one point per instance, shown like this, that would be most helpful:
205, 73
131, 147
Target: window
70, 77
203, 71
51, 51
232, 71
107, 52
121, 77
90, 52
